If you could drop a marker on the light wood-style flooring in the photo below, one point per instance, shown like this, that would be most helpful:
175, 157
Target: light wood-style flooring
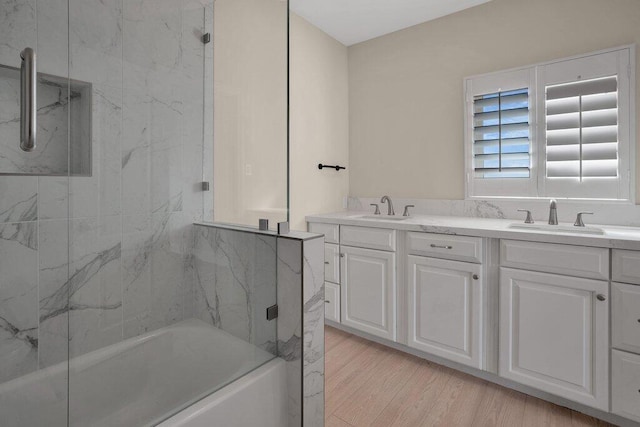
368, 384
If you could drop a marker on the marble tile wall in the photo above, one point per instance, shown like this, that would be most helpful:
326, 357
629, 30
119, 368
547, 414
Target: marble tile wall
234, 282
89, 261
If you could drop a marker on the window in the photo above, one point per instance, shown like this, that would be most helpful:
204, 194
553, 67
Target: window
501, 134
561, 129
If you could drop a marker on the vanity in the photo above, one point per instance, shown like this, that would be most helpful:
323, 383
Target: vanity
553, 313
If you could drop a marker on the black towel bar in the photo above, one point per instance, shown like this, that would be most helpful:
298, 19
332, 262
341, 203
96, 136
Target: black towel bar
336, 167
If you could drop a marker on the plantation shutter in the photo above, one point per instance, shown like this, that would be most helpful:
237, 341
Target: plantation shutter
501, 134
582, 129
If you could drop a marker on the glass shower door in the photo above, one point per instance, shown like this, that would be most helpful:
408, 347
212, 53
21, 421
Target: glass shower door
34, 211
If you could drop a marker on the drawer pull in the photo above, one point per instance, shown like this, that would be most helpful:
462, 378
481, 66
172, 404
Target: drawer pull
327, 301
601, 297
433, 245
326, 262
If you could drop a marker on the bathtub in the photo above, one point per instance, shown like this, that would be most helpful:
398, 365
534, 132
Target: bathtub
146, 380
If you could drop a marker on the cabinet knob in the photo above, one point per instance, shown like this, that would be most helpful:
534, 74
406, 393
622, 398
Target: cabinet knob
327, 301
601, 297
341, 255
326, 262
475, 277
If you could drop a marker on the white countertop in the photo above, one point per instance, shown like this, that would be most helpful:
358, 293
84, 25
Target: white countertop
613, 237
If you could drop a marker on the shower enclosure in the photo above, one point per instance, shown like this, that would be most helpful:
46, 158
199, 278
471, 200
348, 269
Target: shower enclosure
109, 312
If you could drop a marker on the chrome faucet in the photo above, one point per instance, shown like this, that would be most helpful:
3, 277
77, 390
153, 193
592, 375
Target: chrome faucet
387, 199
553, 212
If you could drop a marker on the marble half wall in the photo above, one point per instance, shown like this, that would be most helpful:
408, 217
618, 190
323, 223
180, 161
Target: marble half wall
237, 273
301, 325
234, 282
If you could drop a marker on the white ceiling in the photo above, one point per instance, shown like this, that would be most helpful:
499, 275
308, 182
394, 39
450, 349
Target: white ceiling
354, 21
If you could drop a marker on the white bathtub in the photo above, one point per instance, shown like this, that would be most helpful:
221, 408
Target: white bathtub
140, 381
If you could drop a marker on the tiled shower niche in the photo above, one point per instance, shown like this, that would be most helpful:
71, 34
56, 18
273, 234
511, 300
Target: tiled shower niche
63, 145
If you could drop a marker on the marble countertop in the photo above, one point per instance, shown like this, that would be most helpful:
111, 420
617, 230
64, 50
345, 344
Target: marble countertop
614, 236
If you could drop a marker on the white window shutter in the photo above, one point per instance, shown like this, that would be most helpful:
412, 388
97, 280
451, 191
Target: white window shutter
582, 129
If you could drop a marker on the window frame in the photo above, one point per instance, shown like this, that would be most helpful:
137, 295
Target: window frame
537, 186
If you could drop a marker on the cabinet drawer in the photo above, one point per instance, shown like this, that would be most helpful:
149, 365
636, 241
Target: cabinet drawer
460, 248
331, 231
332, 302
332, 263
368, 237
625, 266
625, 384
625, 317
570, 260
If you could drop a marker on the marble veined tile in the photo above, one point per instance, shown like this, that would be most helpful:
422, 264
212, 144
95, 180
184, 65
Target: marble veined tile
151, 155
54, 270
53, 37
95, 41
17, 29
18, 299
235, 281
94, 285
153, 271
81, 286
153, 33
99, 194
18, 199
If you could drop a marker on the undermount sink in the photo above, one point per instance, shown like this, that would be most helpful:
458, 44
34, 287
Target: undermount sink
557, 228
384, 217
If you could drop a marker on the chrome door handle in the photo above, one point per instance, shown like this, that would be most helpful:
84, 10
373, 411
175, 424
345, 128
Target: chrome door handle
441, 246
28, 96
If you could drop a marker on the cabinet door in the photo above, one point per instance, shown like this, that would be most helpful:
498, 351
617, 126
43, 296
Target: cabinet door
368, 291
554, 334
331, 263
445, 309
332, 302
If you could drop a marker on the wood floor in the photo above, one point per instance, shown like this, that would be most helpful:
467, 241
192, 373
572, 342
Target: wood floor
368, 384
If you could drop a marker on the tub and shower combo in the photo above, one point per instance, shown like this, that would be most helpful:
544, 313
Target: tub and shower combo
116, 308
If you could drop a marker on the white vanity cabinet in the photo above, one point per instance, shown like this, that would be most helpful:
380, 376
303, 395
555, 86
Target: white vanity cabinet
554, 328
563, 319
